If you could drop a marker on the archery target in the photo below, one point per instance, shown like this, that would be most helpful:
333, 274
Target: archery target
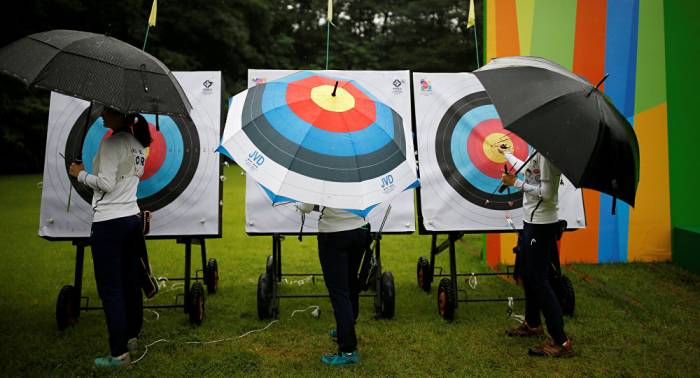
459, 132
366, 88
180, 184
333, 138
171, 159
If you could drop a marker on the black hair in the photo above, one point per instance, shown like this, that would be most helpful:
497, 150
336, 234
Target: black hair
140, 129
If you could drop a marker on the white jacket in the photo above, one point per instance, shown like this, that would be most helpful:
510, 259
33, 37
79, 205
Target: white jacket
334, 220
118, 165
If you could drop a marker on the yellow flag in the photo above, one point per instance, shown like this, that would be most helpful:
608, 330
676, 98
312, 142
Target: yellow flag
330, 11
154, 10
471, 19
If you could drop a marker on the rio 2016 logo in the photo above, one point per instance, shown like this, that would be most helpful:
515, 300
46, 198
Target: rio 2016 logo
387, 184
255, 159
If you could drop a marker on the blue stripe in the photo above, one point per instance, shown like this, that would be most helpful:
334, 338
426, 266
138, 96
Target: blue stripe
621, 64
458, 148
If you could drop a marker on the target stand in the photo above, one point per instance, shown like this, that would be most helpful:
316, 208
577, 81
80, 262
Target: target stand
448, 292
268, 291
71, 301
448, 296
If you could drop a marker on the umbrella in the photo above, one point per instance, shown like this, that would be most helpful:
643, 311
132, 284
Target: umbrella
319, 139
97, 68
568, 120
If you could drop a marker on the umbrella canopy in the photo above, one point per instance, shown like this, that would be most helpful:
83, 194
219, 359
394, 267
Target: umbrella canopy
567, 120
96, 68
319, 139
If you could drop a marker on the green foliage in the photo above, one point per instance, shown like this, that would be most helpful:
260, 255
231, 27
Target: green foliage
233, 36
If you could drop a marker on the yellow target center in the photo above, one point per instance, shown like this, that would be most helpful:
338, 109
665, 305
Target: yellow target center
491, 144
323, 97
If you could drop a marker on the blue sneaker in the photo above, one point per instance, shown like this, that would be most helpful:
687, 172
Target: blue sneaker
113, 362
333, 333
341, 359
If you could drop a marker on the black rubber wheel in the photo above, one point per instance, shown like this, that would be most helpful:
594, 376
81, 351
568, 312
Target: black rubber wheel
424, 274
447, 299
67, 307
567, 297
270, 266
265, 296
211, 276
196, 303
388, 300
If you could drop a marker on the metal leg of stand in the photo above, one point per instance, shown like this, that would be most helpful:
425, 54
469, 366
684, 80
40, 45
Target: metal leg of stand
78, 280
188, 253
204, 256
453, 262
433, 253
277, 256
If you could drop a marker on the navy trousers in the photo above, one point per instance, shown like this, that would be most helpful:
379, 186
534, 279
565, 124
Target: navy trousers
116, 246
340, 254
539, 249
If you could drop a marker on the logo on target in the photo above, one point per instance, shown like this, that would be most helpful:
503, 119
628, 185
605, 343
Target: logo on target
397, 89
207, 84
255, 159
387, 183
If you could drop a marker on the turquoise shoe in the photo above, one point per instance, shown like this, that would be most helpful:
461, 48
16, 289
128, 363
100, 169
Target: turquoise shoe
333, 333
113, 362
341, 359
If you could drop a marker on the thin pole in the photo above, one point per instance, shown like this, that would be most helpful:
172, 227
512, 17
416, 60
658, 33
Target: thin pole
146, 39
328, 41
476, 44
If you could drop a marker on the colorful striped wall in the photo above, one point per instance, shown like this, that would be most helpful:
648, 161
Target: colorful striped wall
624, 38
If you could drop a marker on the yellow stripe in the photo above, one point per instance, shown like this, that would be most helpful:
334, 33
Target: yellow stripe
650, 219
526, 15
508, 241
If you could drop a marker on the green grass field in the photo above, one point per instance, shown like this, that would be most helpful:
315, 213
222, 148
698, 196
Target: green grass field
631, 319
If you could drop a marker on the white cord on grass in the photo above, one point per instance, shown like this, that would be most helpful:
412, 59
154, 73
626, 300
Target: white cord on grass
304, 310
203, 342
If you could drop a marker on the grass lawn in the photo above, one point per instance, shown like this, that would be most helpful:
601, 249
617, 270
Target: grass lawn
631, 319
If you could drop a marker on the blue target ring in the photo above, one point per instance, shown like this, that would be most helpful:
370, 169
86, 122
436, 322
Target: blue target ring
460, 135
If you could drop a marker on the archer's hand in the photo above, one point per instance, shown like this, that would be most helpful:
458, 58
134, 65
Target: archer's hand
75, 169
507, 179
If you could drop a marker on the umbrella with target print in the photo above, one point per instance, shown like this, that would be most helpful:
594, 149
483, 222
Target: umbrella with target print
320, 139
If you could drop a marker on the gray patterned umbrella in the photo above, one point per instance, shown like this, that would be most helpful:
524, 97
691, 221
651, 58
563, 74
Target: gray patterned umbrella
97, 68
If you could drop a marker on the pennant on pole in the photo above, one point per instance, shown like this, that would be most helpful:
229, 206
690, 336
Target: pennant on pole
154, 10
330, 11
471, 19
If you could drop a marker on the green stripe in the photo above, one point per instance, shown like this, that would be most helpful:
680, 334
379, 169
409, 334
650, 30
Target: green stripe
553, 31
651, 62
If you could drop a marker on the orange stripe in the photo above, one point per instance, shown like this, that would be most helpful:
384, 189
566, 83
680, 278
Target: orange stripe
589, 45
507, 40
650, 219
493, 250
582, 245
589, 61
508, 241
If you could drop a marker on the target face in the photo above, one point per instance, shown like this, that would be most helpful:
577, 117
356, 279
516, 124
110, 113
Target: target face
171, 159
466, 146
306, 124
459, 132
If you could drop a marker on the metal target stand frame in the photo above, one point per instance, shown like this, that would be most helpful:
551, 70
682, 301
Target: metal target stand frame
71, 301
268, 289
448, 291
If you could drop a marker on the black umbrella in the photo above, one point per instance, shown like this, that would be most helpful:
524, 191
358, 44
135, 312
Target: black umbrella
96, 68
567, 120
